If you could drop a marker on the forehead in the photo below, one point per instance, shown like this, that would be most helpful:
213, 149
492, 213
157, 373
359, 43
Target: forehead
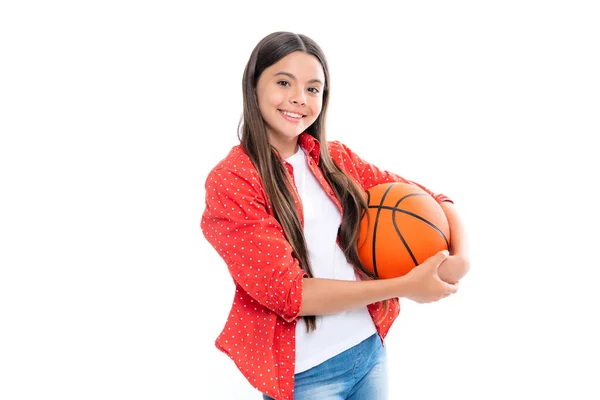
303, 66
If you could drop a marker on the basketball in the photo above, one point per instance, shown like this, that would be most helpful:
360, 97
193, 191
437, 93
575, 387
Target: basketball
403, 226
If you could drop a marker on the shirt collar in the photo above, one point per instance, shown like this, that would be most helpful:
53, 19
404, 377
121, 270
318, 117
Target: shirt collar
311, 146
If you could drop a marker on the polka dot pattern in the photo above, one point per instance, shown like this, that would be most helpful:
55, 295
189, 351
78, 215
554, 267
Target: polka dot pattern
259, 334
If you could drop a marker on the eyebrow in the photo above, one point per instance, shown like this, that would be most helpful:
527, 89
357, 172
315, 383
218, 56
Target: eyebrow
294, 78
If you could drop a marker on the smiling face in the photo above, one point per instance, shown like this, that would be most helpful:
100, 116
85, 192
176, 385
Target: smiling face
290, 97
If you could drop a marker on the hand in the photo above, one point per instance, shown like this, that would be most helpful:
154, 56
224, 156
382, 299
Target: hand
423, 284
453, 268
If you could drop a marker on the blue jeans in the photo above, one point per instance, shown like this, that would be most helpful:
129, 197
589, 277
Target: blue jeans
359, 373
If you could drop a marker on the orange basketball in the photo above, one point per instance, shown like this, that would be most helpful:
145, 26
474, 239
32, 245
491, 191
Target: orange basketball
403, 227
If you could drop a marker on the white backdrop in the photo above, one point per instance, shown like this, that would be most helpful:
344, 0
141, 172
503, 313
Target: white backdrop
112, 114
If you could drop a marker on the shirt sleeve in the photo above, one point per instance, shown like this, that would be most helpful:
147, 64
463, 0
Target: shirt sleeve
251, 242
369, 175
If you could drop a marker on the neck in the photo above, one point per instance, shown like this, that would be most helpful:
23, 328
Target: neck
286, 149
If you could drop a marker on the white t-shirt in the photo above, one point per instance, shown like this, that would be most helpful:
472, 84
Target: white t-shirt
338, 332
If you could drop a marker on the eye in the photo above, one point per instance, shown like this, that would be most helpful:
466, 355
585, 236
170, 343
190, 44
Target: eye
314, 90
283, 83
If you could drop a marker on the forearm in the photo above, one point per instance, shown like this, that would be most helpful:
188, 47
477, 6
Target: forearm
455, 267
330, 296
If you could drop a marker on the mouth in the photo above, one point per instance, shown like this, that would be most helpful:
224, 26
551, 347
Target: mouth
291, 116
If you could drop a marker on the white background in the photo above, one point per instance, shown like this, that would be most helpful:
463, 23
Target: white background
112, 114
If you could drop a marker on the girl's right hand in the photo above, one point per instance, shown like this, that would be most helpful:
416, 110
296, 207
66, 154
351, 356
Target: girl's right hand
423, 284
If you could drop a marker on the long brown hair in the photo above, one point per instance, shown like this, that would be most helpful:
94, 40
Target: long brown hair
277, 182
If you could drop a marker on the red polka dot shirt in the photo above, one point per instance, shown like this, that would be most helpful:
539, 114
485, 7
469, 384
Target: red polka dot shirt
259, 334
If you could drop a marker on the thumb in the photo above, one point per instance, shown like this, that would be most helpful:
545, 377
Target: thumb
433, 262
440, 257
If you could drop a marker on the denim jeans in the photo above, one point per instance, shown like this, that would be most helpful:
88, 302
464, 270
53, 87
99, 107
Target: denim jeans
359, 373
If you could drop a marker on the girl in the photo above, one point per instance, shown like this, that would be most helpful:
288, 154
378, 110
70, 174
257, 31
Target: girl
283, 210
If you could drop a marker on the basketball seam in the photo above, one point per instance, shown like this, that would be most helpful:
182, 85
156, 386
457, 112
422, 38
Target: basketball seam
394, 209
410, 253
375, 228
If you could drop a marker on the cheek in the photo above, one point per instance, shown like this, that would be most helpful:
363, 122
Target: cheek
272, 99
316, 107
262, 106
266, 105
267, 99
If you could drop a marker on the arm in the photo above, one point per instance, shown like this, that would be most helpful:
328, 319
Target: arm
330, 296
237, 224
422, 284
368, 175
259, 258
457, 265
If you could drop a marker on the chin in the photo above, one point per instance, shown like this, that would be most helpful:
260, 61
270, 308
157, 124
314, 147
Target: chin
291, 134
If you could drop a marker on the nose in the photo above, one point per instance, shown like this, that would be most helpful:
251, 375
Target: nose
298, 98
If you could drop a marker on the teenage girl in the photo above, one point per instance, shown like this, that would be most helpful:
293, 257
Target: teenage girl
283, 210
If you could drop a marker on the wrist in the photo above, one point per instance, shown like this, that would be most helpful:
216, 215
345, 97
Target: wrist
403, 286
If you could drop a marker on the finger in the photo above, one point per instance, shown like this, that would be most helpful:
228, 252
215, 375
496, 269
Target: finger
451, 289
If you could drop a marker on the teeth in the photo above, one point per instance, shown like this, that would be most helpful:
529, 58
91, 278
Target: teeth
292, 114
